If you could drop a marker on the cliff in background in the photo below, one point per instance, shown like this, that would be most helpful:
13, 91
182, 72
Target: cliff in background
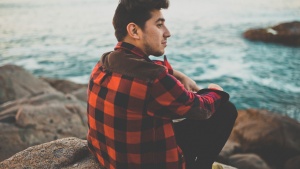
285, 33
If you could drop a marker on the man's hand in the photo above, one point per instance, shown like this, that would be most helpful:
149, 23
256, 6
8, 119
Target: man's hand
188, 83
215, 86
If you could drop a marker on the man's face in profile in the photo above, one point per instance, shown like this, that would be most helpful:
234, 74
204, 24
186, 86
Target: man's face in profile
155, 34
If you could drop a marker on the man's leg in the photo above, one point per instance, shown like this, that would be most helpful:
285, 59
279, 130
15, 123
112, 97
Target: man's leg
202, 140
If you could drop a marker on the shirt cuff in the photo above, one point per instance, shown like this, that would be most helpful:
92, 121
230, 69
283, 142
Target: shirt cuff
224, 96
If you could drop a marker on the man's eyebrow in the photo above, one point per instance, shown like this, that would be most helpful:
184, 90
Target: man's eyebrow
160, 20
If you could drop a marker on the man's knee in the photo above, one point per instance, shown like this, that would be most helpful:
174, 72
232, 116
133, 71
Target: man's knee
230, 110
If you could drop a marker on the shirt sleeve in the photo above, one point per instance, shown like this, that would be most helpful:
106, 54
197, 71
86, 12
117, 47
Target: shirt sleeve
169, 99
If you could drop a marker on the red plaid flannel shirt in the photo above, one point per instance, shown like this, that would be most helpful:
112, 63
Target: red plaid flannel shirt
130, 117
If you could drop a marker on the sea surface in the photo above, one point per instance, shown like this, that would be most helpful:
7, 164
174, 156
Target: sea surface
65, 38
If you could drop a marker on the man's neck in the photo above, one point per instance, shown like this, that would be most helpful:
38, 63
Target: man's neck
136, 44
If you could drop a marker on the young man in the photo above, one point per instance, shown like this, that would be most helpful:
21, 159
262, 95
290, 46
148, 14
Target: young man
132, 101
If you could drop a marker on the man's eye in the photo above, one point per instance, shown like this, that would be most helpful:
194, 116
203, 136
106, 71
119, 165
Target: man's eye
159, 25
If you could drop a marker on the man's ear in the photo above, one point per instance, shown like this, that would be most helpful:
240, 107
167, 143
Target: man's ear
132, 30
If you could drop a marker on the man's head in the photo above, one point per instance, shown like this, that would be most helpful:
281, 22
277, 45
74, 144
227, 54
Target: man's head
141, 23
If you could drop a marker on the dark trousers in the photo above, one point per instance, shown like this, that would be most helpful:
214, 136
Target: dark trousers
202, 140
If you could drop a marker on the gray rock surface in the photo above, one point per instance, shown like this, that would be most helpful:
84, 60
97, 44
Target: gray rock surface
17, 83
68, 87
64, 86
293, 163
64, 153
248, 161
80, 94
32, 112
40, 119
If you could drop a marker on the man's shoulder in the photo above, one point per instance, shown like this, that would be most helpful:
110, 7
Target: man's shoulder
121, 62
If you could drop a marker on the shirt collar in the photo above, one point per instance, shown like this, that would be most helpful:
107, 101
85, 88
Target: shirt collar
137, 51
133, 49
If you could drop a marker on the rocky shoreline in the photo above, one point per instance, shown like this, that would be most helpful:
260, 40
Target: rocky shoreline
285, 33
43, 125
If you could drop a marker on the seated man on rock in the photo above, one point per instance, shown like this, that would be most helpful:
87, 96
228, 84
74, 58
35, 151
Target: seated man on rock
132, 101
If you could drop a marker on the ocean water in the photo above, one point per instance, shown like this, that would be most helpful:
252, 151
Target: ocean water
65, 38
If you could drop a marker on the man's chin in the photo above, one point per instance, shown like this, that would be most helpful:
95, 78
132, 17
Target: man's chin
158, 54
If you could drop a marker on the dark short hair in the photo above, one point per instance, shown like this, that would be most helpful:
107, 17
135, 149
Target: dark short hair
136, 11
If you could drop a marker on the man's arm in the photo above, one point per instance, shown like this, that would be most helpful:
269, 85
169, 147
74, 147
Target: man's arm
169, 99
188, 83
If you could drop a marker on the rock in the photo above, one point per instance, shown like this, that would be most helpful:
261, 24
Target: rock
285, 33
293, 163
40, 119
80, 94
229, 149
66, 153
273, 137
16, 82
63, 153
32, 112
68, 87
248, 161
64, 86
217, 165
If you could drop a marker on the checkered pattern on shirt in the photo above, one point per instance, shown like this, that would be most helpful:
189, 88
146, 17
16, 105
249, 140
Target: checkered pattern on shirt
130, 120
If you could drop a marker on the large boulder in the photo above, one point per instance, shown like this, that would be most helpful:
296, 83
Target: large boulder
68, 87
64, 153
33, 112
285, 33
40, 119
16, 82
248, 161
229, 149
64, 86
273, 137
293, 163
80, 94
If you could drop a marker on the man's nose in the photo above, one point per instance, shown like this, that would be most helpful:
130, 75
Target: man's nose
167, 33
